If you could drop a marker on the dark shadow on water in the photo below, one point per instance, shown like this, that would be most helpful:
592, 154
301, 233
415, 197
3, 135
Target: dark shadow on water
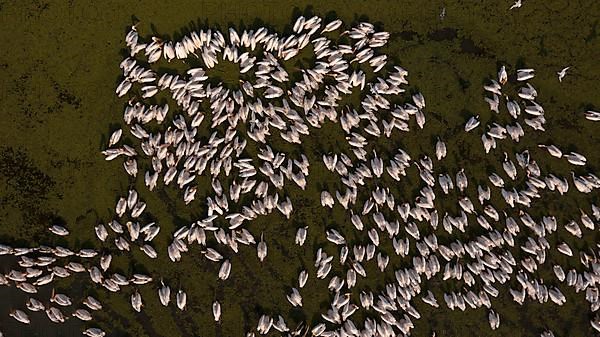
408, 35
468, 46
443, 34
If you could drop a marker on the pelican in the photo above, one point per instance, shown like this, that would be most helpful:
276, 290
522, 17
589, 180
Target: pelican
494, 319
502, 75
60, 299
526, 73
592, 115
301, 235
105, 262
101, 232
92, 303
94, 332
472, 123
82, 314
553, 150
115, 137
440, 149
55, 315
216, 309
59, 230
225, 270
34, 305
575, 158
181, 299
164, 293
20, 316
294, 298
261, 249
136, 301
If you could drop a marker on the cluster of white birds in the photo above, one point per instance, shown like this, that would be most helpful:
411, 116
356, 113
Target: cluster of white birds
205, 139
41, 266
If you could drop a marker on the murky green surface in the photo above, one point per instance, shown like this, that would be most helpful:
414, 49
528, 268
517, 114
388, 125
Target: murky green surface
58, 71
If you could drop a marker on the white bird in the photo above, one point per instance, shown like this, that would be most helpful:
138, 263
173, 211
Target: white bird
35, 305
101, 232
92, 303
502, 75
105, 261
94, 332
494, 319
59, 230
561, 74
225, 270
82, 314
333, 25
115, 137
302, 278
149, 251
525, 73
565, 249
553, 150
294, 298
592, 115
517, 4
472, 123
216, 309
575, 158
60, 299
261, 249
301, 235
181, 299
327, 200
20, 316
440, 149
136, 301
164, 293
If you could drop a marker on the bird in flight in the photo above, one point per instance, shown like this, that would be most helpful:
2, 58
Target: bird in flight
517, 4
561, 74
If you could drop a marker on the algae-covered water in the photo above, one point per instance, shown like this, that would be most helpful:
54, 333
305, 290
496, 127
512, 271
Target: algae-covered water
59, 67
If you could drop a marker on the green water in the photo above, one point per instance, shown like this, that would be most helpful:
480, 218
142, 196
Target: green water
58, 71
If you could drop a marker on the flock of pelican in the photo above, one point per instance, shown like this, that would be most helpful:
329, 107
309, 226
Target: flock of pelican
203, 133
